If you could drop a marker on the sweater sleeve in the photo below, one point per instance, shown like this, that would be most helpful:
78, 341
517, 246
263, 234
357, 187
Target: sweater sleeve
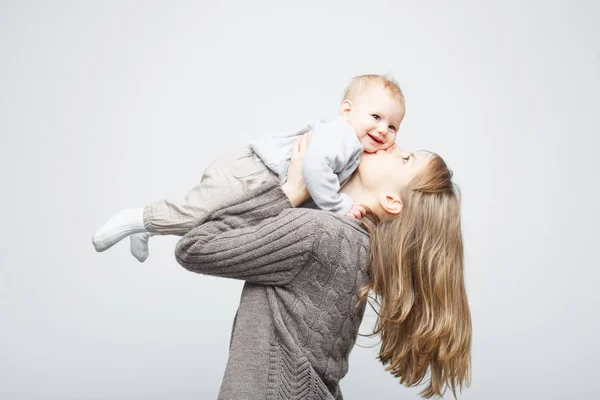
333, 148
258, 238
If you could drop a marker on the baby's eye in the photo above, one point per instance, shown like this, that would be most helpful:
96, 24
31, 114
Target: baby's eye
377, 117
392, 128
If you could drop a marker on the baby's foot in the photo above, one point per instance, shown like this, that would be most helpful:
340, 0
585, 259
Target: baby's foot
138, 244
121, 225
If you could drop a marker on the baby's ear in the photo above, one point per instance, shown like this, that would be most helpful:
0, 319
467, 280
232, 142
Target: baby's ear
345, 108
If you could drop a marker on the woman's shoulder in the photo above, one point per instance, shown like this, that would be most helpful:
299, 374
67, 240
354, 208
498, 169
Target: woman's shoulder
330, 222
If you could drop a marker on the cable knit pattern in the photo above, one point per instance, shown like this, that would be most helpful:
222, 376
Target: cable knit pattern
299, 312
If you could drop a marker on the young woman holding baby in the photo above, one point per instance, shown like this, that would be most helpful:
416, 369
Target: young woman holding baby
393, 231
308, 273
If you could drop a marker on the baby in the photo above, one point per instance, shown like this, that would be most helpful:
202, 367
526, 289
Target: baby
370, 115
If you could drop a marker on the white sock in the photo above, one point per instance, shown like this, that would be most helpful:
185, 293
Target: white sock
138, 244
122, 224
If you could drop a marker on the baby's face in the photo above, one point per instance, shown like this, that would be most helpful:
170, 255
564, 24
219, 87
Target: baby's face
376, 117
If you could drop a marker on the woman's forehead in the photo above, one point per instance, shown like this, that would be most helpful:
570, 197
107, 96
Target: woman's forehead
424, 153
421, 159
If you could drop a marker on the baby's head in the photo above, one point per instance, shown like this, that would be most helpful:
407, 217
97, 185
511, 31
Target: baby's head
374, 106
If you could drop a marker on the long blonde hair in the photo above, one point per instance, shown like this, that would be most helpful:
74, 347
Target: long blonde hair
417, 278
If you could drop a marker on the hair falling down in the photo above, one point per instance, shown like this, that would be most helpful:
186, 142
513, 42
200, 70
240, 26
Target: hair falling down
417, 278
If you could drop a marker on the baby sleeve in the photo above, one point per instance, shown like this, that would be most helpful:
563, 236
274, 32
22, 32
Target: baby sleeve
334, 148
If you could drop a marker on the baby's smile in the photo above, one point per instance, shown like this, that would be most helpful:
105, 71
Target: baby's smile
374, 138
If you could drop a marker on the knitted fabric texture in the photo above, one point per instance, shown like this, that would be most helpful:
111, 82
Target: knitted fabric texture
299, 311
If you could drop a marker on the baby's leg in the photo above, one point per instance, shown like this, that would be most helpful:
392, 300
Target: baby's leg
138, 245
229, 176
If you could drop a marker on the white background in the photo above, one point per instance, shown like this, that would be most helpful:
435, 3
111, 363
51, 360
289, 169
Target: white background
110, 105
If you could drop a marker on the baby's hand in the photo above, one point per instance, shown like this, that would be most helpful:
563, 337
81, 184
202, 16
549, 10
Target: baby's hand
356, 211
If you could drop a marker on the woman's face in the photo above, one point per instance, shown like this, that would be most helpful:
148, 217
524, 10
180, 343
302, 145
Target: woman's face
390, 170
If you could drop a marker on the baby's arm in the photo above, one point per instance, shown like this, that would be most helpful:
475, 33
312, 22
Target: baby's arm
333, 148
357, 211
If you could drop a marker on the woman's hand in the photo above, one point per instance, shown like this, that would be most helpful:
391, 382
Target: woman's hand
294, 187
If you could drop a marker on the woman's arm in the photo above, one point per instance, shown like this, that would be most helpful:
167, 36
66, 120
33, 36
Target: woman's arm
258, 238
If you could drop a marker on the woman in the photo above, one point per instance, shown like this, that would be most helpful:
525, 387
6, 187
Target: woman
308, 274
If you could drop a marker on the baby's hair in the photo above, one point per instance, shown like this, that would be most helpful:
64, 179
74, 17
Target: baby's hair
362, 82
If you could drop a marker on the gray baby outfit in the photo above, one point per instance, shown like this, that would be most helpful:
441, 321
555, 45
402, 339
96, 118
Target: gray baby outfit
331, 158
299, 312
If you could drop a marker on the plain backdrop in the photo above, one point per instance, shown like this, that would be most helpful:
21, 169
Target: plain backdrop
113, 104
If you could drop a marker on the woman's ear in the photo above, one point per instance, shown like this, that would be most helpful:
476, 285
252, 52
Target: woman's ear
345, 108
392, 204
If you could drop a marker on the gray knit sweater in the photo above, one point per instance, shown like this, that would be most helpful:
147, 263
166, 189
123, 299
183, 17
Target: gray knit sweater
299, 313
